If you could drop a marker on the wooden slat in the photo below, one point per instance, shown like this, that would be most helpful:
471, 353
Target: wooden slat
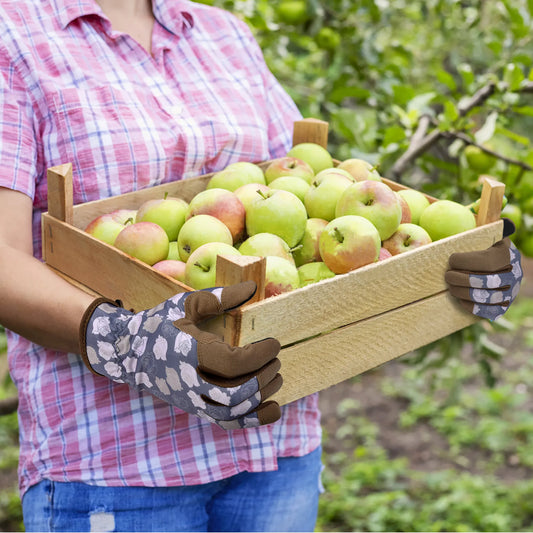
103, 268
334, 357
310, 130
365, 292
490, 205
60, 193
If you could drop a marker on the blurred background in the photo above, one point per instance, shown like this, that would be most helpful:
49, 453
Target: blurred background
436, 93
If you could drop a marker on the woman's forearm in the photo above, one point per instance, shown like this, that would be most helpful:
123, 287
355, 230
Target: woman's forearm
38, 304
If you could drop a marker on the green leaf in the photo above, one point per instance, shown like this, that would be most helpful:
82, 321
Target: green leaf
486, 131
450, 111
465, 70
393, 134
446, 79
521, 139
421, 102
513, 76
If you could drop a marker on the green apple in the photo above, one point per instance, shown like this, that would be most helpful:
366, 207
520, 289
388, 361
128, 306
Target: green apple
147, 241
308, 250
375, 201
168, 212
477, 159
124, 216
265, 244
416, 201
280, 276
293, 184
279, 212
200, 268
288, 166
349, 242
105, 228
444, 218
171, 267
173, 250
221, 204
313, 154
328, 39
314, 272
292, 11
406, 210
235, 175
323, 195
407, 237
250, 192
514, 214
360, 169
199, 230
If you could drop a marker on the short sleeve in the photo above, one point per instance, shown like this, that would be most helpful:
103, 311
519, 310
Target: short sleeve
18, 143
282, 112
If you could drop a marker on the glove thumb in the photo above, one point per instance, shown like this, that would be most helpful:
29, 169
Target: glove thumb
208, 303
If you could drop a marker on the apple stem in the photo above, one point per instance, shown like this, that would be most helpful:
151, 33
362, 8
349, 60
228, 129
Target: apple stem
338, 234
292, 250
128, 221
166, 195
203, 267
263, 194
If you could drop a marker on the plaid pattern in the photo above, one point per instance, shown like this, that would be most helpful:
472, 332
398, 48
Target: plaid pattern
74, 90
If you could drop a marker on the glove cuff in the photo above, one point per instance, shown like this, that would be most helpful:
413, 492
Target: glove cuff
83, 329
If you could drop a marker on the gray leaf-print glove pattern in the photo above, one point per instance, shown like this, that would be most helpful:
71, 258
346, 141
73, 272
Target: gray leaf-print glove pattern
487, 282
163, 351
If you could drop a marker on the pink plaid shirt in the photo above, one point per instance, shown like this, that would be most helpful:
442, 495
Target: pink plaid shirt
74, 90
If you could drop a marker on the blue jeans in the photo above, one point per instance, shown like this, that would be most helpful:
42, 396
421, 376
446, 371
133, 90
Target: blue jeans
282, 500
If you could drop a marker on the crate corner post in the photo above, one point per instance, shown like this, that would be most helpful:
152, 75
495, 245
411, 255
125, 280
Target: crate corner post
310, 130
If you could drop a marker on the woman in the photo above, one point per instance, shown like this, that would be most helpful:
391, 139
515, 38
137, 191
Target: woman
135, 93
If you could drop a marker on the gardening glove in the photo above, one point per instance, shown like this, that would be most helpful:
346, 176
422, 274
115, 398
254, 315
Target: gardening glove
163, 351
487, 282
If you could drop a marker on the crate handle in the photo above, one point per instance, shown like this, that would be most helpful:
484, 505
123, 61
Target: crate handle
233, 269
490, 205
310, 130
60, 192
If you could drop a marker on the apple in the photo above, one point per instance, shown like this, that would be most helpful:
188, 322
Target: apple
105, 228
292, 11
124, 215
416, 201
250, 192
479, 160
171, 267
265, 244
406, 210
280, 276
200, 268
236, 175
407, 237
279, 212
323, 195
221, 204
313, 154
199, 230
288, 166
359, 169
307, 251
514, 214
173, 250
293, 184
375, 201
147, 241
444, 218
349, 242
314, 272
168, 212
384, 254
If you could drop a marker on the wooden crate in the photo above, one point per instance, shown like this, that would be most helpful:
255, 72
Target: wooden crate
329, 331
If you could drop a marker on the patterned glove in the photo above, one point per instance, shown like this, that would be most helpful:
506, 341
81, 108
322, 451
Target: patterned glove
487, 282
163, 351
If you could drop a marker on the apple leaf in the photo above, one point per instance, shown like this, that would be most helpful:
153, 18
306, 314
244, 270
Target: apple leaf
486, 131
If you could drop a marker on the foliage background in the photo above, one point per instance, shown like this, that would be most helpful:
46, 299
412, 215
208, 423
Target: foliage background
442, 439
